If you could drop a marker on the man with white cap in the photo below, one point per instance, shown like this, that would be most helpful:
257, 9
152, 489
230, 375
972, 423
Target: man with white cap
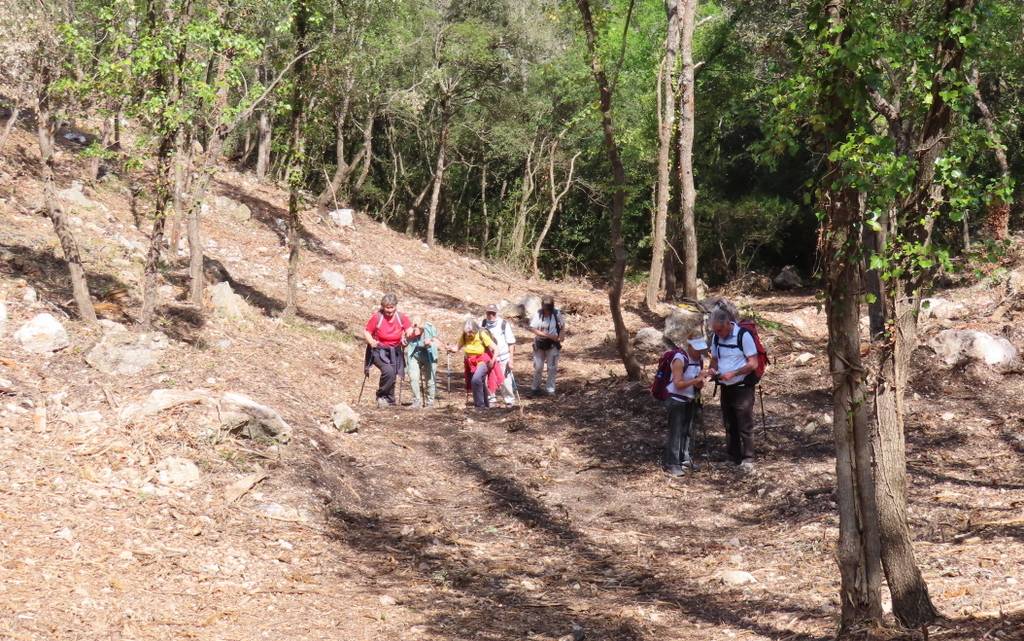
688, 378
505, 338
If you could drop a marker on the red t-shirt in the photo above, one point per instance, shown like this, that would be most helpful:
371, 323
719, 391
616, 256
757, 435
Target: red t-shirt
390, 332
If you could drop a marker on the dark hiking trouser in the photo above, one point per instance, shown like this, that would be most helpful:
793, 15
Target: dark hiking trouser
738, 416
677, 447
386, 359
479, 384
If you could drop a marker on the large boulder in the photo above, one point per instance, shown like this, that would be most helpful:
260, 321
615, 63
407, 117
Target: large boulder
342, 217
334, 279
681, 322
345, 418
957, 345
526, 308
241, 415
649, 339
788, 278
121, 352
231, 209
74, 196
941, 309
227, 304
42, 335
177, 472
160, 400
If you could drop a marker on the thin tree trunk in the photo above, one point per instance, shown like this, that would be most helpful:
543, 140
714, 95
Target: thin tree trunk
410, 222
266, 132
296, 155
997, 223
556, 200
76, 272
523, 210
435, 195
96, 162
618, 272
9, 127
483, 202
161, 198
366, 153
688, 192
666, 126
336, 189
182, 174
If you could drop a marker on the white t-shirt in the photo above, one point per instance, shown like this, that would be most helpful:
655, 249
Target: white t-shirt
731, 355
691, 368
550, 325
502, 332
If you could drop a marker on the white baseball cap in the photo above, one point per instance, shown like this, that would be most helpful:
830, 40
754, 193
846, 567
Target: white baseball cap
699, 344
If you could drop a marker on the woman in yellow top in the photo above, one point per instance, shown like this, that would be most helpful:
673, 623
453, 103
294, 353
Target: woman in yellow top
481, 377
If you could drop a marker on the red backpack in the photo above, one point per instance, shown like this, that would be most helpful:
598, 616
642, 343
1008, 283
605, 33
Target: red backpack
749, 325
663, 376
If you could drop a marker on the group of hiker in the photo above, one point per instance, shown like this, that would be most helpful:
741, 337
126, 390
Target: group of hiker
400, 347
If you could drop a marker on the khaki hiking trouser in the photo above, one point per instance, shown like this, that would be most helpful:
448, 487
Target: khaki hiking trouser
420, 364
542, 357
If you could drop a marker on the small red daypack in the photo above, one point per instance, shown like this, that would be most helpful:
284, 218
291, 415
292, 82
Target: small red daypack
663, 376
750, 325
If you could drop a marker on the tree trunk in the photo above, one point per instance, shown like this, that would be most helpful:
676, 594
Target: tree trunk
76, 272
296, 154
366, 153
666, 126
688, 192
859, 548
96, 162
483, 202
266, 131
618, 272
161, 198
336, 190
556, 200
435, 195
182, 180
997, 222
523, 210
875, 241
12, 120
911, 602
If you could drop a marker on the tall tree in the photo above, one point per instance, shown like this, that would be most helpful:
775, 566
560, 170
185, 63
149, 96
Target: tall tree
687, 123
296, 154
618, 271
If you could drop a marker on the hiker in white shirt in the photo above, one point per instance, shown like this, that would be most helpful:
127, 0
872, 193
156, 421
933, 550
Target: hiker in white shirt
501, 331
733, 359
548, 328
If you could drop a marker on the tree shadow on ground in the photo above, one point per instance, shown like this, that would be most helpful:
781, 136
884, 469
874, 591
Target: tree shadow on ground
269, 215
471, 596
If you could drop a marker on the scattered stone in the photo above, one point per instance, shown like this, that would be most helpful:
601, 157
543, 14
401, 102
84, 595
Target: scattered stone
948, 416
239, 488
956, 345
75, 138
30, 295
242, 415
788, 278
227, 304
345, 418
942, 309
803, 358
124, 353
231, 209
577, 634
177, 471
3, 318
160, 400
333, 279
75, 196
43, 334
399, 270
737, 577
649, 339
387, 601
6, 386
340, 251
342, 217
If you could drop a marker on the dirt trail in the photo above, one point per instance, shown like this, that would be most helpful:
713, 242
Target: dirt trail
449, 523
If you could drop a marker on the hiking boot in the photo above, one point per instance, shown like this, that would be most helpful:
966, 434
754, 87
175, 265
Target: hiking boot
416, 404
549, 392
534, 393
492, 401
430, 402
674, 471
382, 402
747, 465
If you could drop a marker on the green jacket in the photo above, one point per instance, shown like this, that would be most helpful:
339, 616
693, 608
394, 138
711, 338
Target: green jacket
416, 345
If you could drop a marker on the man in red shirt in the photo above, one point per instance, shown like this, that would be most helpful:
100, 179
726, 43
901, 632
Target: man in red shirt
385, 335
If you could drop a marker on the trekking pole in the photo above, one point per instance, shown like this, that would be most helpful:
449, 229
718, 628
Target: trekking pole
764, 420
361, 388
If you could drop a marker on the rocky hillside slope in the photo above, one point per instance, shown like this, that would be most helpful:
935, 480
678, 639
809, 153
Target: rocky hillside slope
193, 482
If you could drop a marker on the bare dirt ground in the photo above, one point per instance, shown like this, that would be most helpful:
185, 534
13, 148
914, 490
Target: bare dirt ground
535, 523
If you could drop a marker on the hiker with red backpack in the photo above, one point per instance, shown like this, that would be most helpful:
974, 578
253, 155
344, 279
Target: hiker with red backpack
737, 363
386, 333
677, 383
